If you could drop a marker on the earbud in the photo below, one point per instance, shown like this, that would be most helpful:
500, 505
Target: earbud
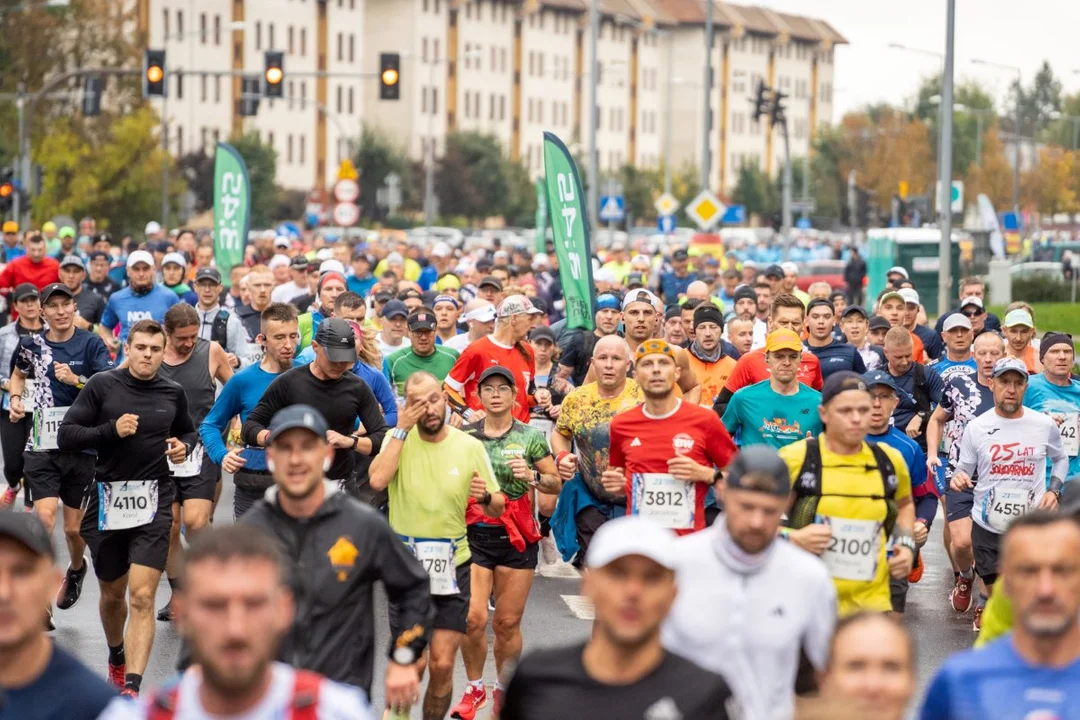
270, 465
326, 465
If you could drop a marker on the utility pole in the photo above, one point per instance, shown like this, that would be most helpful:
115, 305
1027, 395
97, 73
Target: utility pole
667, 111
165, 162
706, 153
594, 72
945, 163
20, 178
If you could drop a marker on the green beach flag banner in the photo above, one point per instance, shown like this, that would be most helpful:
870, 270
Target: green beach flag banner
570, 230
232, 209
541, 216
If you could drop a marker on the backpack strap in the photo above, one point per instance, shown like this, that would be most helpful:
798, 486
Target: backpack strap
920, 388
219, 331
305, 700
809, 479
885, 466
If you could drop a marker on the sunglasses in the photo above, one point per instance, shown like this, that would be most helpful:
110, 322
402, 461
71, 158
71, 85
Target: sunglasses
973, 313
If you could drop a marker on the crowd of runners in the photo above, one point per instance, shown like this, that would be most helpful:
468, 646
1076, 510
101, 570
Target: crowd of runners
745, 473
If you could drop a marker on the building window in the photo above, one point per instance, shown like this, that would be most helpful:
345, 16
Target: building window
434, 101
165, 24
423, 100
202, 28
289, 36
303, 147
351, 95
491, 106
269, 138
339, 89
340, 46
179, 23
288, 149
425, 5
270, 32
468, 105
179, 87
292, 94
435, 50
179, 139
217, 88
494, 56
352, 48
202, 88
217, 30
303, 93
502, 107
423, 50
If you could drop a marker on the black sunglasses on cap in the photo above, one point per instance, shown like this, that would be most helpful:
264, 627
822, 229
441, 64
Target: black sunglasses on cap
973, 313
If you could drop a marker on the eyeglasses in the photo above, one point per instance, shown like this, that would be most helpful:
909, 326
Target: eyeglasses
493, 390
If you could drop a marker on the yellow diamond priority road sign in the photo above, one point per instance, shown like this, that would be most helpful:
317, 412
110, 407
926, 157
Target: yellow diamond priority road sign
705, 210
666, 204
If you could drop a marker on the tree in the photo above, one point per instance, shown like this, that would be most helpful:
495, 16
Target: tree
471, 179
376, 158
109, 169
1065, 131
1048, 188
519, 206
1038, 101
994, 178
261, 161
197, 169
752, 190
640, 190
976, 102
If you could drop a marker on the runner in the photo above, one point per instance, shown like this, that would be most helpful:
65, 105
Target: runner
1012, 466
581, 443
855, 324
505, 347
1019, 330
242, 571
705, 356
664, 452
893, 307
971, 297
251, 477
98, 280
173, 270
577, 345
39, 680
431, 471
394, 321
640, 316
1057, 394
298, 282
14, 434
780, 410
50, 369
479, 318
674, 334
673, 284
738, 569
878, 328
622, 670
35, 267
218, 323
1033, 672
142, 299
505, 550
137, 421
259, 283
851, 497
333, 632
919, 387
965, 398
931, 339
957, 358
340, 396
90, 307
196, 365
740, 335
834, 355
447, 310
422, 353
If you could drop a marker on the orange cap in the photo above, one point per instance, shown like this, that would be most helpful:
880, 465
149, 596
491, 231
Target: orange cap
783, 339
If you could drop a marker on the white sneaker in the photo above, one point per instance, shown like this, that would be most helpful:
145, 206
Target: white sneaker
549, 551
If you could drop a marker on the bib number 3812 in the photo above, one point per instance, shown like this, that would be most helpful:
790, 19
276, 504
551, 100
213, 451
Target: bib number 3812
663, 499
852, 553
127, 504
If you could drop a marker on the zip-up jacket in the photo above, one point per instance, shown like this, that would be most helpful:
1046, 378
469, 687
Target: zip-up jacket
334, 559
838, 356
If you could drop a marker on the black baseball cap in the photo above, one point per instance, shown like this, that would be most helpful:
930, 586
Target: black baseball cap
395, 308
496, 371
384, 296
854, 309
672, 311
744, 292
492, 281
95, 254
774, 270
409, 294
336, 336
25, 290
879, 323
298, 416
298, 263
208, 273
542, 332
635, 279
820, 302
422, 319
761, 469
55, 289
840, 382
27, 529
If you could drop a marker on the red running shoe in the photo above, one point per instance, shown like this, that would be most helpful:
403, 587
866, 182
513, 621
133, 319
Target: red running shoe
471, 702
498, 697
916, 572
960, 597
117, 675
129, 692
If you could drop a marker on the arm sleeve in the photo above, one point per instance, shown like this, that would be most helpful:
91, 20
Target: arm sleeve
387, 372
183, 429
225, 408
99, 358
407, 587
720, 404
272, 401
8, 344
385, 395
370, 413
77, 431
109, 318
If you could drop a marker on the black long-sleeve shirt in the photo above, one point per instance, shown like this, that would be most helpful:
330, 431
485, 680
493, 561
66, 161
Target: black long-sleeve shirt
90, 423
340, 401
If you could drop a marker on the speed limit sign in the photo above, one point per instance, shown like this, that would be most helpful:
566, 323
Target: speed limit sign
346, 214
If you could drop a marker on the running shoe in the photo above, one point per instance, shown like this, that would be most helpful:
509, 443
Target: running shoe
549, 551
117, 675
976, 624
7, 500
165, 613
960, 597
916, 572
129, 692
498, 697
71, 588
471, 702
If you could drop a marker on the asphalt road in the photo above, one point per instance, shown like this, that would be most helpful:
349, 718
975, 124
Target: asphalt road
556, 615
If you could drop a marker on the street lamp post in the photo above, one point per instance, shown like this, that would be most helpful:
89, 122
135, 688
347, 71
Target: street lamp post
945, 166
594, 118
706, 152
1016, 166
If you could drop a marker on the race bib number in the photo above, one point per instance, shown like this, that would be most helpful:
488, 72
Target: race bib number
125, 505
663, 499
852, 553
1005, 503
191, 466
437, 557
46, 427
1070, 433
28, 401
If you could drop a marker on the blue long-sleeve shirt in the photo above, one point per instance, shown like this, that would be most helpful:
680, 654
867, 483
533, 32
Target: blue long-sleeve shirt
374, 378
239, 397
922, 486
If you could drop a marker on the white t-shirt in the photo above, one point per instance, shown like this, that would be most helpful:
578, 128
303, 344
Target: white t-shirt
459, 342
336, 701
1010, 456
286, 292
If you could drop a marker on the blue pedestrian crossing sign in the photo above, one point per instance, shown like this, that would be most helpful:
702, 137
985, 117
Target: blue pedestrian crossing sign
666, 224
612, 208
734, 215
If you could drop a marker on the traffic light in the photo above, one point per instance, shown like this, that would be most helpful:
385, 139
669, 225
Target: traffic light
760, 101
274, 75
389, 76
7, 189
777, 112
91, 97
249, 95
154, 73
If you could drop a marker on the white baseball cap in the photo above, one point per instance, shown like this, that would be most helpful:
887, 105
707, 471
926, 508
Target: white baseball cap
910, 296
176, 258
898, 270
789, 267
278, 260
282, 241
152, 228
631, 535
485, 313
140, 256
331, 265
956, 320
440, 250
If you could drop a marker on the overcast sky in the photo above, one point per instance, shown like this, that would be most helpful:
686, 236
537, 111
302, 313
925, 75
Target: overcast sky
1005, 31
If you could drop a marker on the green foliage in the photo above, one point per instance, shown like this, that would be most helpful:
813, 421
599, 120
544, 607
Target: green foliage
640, 189
753, 190
1044, 289
473, 177
377, 158
197, 169
1039, 100
261, 161
1066, 130
109, 169
289, 204
976, 101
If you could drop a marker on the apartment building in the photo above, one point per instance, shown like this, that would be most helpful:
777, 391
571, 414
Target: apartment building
511, 68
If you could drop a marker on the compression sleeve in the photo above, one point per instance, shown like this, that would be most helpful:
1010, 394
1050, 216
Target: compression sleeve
371, 416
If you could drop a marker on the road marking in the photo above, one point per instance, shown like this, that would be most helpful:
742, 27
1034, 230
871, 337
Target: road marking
581, 606
560, 570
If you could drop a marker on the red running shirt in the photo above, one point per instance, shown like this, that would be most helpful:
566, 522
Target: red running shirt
751, 369
643, 444
464, 377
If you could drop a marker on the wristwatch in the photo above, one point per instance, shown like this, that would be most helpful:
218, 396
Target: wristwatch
404, 655
399, 434
355, 442
905, 541
486, 500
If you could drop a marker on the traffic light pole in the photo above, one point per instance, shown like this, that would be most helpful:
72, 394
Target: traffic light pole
165, 160
945, 164
786, 197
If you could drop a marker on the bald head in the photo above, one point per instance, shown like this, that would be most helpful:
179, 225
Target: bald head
612, 345
697, 290
611, 362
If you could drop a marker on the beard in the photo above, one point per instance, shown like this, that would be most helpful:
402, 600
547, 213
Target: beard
233, 681
433, 428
